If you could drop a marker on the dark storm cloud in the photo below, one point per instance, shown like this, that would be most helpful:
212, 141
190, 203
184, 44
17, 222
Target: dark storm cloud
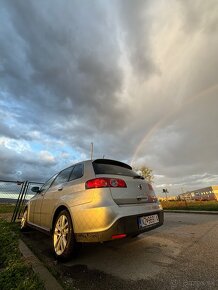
136, 21
6, 132
63, 66
70, 62
60, 75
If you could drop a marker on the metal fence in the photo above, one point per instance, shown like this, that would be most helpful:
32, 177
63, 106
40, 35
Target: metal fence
16, 193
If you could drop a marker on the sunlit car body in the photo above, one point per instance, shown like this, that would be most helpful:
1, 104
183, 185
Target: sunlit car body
100, 200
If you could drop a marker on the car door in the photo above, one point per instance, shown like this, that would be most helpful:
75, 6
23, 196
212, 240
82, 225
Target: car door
31, 207
38, 200
52, 196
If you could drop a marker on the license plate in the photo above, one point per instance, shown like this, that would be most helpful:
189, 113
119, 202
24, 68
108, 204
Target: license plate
148, 220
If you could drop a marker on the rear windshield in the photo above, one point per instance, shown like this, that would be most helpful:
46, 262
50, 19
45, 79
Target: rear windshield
113, 169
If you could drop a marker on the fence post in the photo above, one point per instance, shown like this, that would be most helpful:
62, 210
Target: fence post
19, 200
12, 219
23, 200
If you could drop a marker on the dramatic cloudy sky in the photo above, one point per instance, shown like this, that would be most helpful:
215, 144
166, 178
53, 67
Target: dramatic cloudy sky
137, 78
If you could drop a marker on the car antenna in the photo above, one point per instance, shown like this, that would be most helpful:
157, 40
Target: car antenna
92, 146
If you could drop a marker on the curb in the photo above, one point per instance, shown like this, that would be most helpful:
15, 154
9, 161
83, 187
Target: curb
191, 211
49, 281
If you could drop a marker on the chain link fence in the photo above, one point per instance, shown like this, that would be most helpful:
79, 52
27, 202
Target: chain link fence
14, 195
9, 191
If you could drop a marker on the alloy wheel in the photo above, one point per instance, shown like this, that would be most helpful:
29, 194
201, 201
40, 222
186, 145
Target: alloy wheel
60, 238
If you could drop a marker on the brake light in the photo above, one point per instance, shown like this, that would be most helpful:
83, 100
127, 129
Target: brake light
105, 182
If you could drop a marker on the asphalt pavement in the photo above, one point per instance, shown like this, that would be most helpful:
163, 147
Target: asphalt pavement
182, 254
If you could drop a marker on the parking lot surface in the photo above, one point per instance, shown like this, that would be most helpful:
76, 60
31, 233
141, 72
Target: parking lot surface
182, 254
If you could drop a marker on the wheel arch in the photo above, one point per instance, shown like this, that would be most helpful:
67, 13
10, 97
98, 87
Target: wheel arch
56, 213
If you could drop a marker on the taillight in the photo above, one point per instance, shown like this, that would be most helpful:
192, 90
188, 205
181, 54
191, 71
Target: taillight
105, 182
152, 195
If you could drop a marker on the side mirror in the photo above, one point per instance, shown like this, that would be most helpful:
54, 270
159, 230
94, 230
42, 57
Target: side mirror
35, 189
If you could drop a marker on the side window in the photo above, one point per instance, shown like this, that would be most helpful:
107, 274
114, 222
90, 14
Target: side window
63, 176
77, 172
47, 184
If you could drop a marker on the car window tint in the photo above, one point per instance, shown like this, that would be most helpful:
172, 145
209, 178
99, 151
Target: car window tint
77, 172
63, 176
47, 184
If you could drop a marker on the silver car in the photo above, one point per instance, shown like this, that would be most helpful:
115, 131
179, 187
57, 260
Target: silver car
92, 201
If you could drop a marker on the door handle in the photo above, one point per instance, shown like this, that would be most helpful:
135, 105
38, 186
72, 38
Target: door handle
60, 188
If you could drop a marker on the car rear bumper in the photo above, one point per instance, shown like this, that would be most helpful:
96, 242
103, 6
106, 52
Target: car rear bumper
127, 225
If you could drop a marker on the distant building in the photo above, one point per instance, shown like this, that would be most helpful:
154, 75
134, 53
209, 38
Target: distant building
206, 193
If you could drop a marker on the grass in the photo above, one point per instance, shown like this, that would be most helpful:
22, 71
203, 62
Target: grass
191, 205
15, 273
6, 208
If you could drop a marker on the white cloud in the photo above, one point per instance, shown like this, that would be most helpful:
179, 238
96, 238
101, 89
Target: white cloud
46, 156
18, 146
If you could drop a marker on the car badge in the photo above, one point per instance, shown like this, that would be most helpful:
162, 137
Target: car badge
140, 186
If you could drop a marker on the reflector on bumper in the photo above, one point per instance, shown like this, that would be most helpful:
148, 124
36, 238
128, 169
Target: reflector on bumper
120, 236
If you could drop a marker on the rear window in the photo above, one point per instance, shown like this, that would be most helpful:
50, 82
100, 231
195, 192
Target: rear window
112, 168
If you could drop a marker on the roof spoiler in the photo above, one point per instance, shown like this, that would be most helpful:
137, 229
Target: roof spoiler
112, 162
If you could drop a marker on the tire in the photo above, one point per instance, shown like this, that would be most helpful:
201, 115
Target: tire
63, 239
23, 224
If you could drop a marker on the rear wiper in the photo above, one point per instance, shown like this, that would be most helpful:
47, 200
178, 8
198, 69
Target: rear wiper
138, 177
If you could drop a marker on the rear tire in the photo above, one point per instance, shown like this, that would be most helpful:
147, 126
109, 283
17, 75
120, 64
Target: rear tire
63, 239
